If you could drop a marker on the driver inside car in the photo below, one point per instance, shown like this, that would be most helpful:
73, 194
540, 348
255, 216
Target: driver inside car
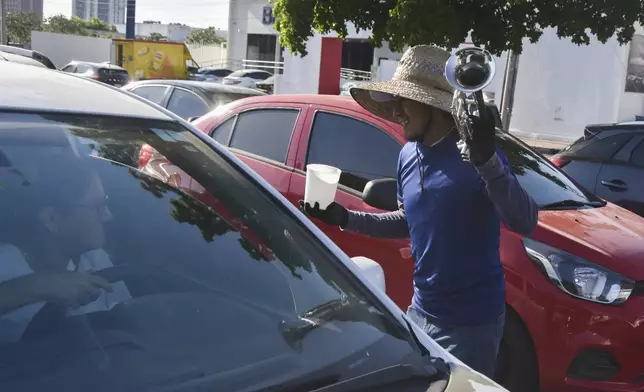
56, 238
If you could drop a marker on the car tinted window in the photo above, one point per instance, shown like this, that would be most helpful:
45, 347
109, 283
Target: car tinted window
598, 147
265, 132
637, 157
204, 278
259, 75
151, 93
543, 181
222, 133
186, 104
222, 72
362, 151
69, 68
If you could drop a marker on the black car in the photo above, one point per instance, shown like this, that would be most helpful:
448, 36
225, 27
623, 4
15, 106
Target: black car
103, 72
609, 161
188, 98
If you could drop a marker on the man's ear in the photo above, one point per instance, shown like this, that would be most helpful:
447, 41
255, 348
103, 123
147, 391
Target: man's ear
49, 219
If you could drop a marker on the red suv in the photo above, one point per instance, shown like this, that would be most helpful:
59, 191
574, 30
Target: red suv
574, 287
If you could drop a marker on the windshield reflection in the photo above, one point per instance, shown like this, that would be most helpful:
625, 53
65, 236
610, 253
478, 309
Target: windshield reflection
193, 268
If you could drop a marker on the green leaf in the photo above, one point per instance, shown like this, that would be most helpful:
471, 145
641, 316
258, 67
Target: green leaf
498, 25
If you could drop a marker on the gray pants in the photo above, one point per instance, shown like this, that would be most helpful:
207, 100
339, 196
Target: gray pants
477, 346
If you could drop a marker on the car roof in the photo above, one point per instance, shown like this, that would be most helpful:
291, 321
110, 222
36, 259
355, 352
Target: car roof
194, 84
17, 58
311, 99
41, 89
97, 65
254, 70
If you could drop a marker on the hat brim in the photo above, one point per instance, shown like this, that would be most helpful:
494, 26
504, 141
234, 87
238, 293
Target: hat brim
431, 96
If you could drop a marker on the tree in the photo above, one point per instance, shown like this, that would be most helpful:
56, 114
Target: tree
95, 24
154, 36
60, 24
496, 24
20, 25
204, 37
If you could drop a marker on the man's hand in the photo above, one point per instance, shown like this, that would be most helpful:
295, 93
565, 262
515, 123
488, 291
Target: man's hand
335, 214
73, 289
477, 136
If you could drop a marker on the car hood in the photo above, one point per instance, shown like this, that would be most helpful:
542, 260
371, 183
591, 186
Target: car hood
616, 236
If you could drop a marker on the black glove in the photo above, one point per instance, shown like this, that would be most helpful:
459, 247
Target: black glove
478, 142
335, 214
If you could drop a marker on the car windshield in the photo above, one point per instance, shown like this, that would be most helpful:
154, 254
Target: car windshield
135, 257
545, 183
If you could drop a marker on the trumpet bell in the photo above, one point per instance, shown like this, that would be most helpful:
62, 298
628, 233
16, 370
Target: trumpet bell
470, 69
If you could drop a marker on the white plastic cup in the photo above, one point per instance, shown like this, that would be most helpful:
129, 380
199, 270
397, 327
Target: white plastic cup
321, 184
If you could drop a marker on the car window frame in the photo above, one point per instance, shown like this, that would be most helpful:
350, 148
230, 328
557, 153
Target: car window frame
640, 144
232, 118
166, 96
237, 114
334, 111
174, 88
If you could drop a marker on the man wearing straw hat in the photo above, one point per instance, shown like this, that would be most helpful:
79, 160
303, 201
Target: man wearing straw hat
452, 196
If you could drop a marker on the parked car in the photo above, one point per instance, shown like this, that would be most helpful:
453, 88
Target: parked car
211, 74
246, 77
267, 86
103, 72
31, 54
188, 99
16, 58
217, 284
609, 161
574, 287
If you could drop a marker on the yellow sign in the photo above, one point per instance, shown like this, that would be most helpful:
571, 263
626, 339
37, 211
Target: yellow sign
154, 60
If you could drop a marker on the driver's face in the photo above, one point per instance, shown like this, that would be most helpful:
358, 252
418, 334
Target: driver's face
83, 223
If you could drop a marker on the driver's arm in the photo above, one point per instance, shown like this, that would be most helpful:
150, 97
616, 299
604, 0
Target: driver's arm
17, 293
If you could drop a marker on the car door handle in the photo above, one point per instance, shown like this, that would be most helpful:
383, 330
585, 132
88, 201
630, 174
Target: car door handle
615, 184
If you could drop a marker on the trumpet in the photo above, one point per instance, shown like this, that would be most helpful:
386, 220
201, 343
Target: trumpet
469, 70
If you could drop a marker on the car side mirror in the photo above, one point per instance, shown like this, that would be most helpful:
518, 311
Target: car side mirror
381, 194
373, 271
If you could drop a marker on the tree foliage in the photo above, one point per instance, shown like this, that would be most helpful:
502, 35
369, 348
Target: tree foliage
497, 25
206, 36
154, 36
20, 25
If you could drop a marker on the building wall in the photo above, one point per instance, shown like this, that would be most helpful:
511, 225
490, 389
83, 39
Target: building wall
109, 11
35, 6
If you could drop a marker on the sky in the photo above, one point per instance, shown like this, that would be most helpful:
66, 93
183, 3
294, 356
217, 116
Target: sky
196, 13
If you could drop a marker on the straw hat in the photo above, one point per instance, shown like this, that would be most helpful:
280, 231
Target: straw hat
419, 77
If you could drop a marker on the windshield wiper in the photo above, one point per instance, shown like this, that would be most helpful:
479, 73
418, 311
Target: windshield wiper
570, 203
342, 309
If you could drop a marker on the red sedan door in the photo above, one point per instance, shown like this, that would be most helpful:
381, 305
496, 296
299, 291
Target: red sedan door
365, 149
260, 134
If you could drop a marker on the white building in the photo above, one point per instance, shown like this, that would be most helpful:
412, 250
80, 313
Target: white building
111, 12
251, 36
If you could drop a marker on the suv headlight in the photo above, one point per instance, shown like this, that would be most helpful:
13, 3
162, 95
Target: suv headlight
578, 277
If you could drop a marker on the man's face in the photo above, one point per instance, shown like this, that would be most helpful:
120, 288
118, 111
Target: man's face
83, 223
415, 118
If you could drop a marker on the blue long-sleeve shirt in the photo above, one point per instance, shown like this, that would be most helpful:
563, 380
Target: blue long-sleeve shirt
452, 212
